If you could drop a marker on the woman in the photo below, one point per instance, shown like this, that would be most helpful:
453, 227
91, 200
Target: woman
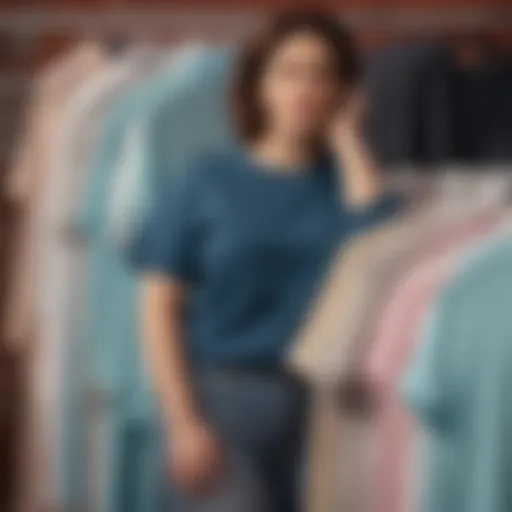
232, 260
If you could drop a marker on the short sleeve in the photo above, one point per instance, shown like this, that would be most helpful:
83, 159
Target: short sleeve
167, 244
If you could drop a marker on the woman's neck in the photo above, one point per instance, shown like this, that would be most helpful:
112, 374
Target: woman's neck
283, 155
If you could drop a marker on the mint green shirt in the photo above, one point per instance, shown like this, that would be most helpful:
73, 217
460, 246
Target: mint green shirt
459, 387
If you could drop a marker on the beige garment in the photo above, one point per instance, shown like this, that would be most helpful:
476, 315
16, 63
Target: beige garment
328, 339
26, 182
324, 357
330, 343
31, 165
321, 351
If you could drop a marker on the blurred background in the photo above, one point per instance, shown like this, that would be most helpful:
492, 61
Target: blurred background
440, 70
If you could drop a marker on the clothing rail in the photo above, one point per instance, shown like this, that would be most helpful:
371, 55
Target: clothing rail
180, 20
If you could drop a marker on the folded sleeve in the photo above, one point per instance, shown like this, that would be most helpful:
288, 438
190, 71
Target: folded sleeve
167, 244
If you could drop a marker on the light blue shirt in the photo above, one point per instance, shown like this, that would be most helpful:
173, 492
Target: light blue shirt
459, 387
113, 360
171, 97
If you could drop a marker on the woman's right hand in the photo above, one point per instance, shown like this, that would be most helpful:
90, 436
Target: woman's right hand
196, 458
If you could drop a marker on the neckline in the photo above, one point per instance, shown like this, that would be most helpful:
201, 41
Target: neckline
299, 173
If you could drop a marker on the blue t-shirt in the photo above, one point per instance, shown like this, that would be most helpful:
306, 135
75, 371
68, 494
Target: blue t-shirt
253, 245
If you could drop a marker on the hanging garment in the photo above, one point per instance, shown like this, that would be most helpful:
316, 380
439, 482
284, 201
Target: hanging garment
85, 404
481, 107
457, 386
128, 110
324, 485
409, 118
114, 361
393, 438
320, 349
328, 348
62, 266
322, 346
174, 89
31, 167
148, 156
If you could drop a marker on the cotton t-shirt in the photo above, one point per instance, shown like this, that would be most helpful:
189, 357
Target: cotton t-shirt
457, 385
252, 245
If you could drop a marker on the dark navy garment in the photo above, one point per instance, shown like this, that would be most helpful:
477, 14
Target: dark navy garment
253, 245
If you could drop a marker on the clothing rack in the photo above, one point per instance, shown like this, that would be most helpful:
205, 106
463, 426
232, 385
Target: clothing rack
31, 22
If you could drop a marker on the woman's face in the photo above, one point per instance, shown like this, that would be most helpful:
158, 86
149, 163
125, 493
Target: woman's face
300, 91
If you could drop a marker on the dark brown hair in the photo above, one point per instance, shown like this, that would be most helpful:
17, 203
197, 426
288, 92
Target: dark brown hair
247, 114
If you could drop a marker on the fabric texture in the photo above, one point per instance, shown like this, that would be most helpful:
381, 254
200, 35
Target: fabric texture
260, 421
115, 369
328, 344
330, 348
63, 263
410, 85
264, 263
147, 156
457, 386
32, 168
388, 354
482, 111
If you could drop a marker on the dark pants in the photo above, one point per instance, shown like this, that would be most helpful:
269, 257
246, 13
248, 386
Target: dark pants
260, 419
